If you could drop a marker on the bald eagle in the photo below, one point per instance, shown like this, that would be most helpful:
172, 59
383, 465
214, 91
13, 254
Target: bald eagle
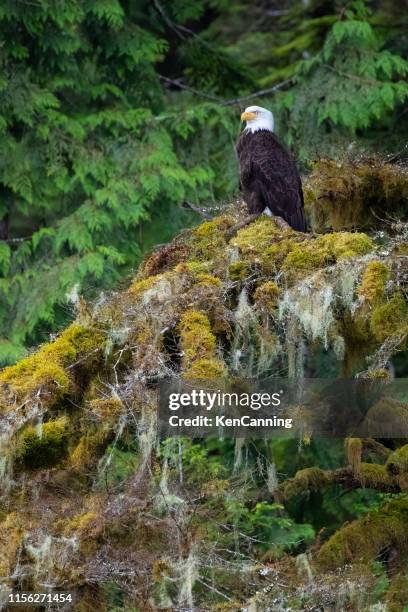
269, 178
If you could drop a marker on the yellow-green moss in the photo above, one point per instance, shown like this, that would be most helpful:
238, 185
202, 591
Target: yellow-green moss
397, 462
207, 280
310, 255
346, 195
214, 488
374, 281
208, 239
304, 481
46, 368
198, 344
90, 448
206, 369
107, 407
196, 338
266, 244
363, 539
275, 254
193, 267
228, 606
397, 594
253, 239
11, 536
80, 524
140, 286
389, 318
378, 374
307, 256
346, 244
373, 475
42, 446
238, 271
266, 296
401, 249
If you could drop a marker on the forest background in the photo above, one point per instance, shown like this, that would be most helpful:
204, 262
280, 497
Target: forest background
117, 118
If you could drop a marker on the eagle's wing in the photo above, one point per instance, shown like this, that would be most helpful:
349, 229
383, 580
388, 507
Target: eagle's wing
277, 179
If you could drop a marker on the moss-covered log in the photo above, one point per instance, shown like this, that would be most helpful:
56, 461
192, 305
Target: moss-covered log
89, 497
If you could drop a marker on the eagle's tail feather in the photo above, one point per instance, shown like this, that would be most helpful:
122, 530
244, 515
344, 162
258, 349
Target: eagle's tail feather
297, 220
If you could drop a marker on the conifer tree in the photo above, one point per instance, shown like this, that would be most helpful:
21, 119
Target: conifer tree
91, 144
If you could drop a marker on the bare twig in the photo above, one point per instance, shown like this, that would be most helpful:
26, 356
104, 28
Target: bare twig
235, 228
167, 20
257, 94
200, 211
212, 588
196, 92
232, 101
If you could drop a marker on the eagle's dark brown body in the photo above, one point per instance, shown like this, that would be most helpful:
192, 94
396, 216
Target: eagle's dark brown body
269, 177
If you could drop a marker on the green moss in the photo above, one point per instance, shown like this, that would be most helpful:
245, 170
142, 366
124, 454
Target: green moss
389, 318
238, 271
107, 407
306, 257
80, 524
193, 267
207, 280
275, 254
253, 239
208, 239
397, 462
401, 249
90, 448
310, 255
348, 194
140, 286
374, 476
304, 481
266, 296
362, 540
11, 536
343, 245
397, 594
374, 281
45, 369
44, 446
378, 374
206, 369
196, 338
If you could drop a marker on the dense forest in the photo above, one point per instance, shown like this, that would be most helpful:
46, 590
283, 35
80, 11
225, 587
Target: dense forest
120, 269
116, 116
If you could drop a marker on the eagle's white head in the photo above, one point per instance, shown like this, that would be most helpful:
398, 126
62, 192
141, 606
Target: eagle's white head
257, 118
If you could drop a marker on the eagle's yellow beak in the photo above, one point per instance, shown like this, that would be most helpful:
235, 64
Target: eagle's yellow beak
247, 116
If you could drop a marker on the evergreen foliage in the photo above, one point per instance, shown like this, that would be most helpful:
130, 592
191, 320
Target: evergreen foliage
88, 148
114, 114
352, 83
